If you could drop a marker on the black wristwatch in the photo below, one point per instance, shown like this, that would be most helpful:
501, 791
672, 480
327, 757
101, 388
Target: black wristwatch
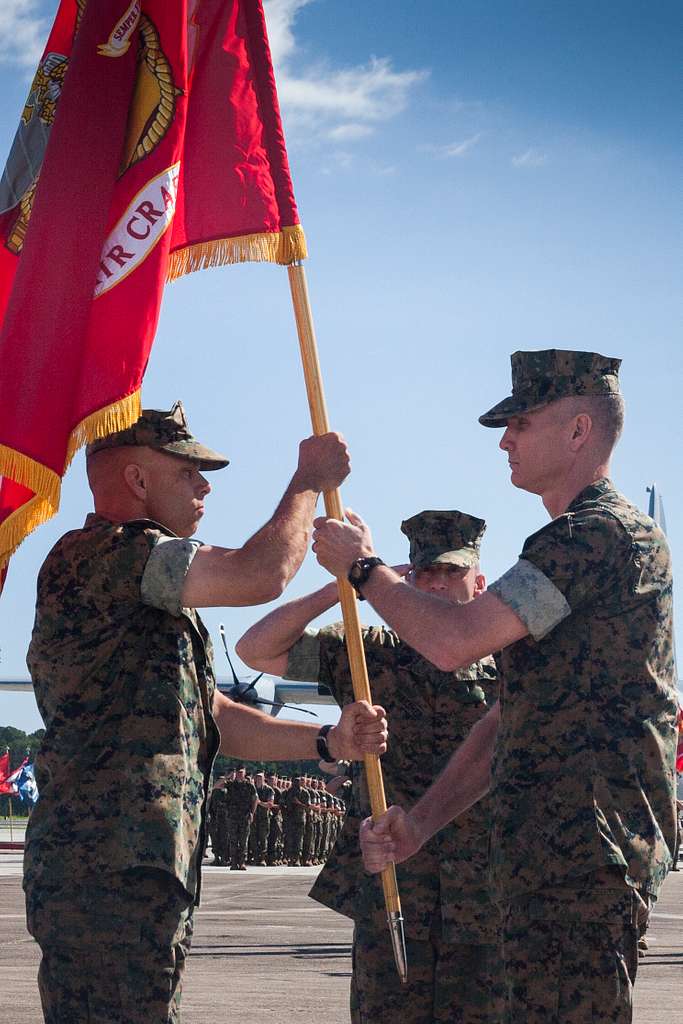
360, 571
321, 744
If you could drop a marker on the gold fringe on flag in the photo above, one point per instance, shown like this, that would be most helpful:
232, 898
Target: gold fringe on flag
118, 416
282, 247
44, 482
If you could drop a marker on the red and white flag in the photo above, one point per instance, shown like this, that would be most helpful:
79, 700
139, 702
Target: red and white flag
150, 146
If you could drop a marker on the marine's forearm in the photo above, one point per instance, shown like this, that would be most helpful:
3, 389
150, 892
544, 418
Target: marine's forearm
277, 550
250, 735
273, 635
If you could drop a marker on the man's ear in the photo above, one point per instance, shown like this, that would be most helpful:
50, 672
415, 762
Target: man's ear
135, 479
581, 430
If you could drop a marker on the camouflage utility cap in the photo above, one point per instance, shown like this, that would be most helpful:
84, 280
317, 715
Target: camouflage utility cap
166, 431
541, 377
451, 538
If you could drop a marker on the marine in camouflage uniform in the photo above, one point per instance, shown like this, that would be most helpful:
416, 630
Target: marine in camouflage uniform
123, 677
581, 747
130, 739
242, 801
452, 928
218, 822
295, 802
308, 855
274, 852
262, 818
326, 823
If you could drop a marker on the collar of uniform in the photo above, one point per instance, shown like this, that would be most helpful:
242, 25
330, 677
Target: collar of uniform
593, 492
95, 519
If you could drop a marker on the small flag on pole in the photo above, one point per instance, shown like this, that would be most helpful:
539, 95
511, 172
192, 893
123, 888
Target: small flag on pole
9, 784
27, 787
150, 146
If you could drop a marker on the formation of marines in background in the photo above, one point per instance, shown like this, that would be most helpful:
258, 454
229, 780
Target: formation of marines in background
273, 820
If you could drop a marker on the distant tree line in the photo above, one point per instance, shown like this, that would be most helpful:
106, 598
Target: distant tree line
291, 769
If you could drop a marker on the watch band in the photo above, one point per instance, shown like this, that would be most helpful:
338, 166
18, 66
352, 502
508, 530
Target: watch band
321, 744
360, 571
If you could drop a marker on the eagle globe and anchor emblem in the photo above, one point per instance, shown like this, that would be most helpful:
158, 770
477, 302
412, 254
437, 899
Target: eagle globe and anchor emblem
150, 117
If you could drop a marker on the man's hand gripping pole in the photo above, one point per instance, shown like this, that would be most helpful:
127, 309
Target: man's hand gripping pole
347, 598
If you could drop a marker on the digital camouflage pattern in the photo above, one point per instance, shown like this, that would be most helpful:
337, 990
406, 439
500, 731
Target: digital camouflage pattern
541, 377
583, 772
260, 827
219, 825
275, 852
448, 983
294, 802
114, 950
451, 537
448, 915
107, 958
571, 954
164, 430
241, 802
430, 713
310, 831
125, 690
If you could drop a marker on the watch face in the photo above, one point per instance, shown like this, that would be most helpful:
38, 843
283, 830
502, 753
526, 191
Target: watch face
357, 571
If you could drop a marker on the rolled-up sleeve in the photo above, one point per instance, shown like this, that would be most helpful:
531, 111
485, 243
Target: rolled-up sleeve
165, 572
303, 662
533, 597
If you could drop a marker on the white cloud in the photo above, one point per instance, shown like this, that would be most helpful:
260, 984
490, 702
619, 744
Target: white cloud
530, 158
339, 104
23, 33
349, 132
453, 149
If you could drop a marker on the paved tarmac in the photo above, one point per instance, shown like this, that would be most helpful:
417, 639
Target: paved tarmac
264, 953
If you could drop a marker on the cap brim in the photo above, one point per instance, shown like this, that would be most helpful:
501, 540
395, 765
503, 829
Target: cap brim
205, 458
464, 558
499, 415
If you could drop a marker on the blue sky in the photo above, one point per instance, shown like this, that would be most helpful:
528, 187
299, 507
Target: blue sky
473, 179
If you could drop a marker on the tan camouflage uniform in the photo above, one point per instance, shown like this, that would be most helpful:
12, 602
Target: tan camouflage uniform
452, 929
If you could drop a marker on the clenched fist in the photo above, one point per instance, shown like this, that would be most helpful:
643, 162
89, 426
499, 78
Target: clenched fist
323, 462
362, 729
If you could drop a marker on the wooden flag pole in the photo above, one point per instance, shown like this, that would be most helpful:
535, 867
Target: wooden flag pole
347, 597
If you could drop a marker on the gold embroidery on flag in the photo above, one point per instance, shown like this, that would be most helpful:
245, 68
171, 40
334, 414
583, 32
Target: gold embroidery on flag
42, 104
43, 96
283, 247
153, 106
119, 40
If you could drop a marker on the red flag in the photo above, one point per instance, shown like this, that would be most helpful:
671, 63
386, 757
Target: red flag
150, 146
4, 766
8, 784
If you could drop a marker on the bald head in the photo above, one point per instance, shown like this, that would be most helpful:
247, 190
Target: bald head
138, 482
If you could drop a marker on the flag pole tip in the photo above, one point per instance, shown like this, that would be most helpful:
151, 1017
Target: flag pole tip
398, 943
